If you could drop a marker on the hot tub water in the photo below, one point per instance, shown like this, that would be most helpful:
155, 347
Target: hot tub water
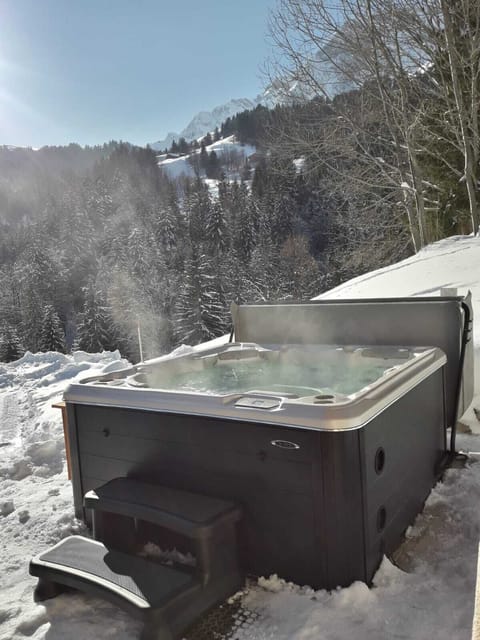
294, 372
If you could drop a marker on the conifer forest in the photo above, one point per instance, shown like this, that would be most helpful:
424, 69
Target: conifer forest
376, 156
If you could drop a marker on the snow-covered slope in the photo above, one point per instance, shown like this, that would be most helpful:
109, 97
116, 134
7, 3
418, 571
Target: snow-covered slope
225, 148
452, 262
205, 122
176, 167
429, 594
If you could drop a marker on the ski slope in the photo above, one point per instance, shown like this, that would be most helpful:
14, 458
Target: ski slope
428, 593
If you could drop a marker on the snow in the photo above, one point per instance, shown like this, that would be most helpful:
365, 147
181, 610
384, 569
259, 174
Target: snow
447, 263
299, 164
226, 145
206, 122
176, 167
425, 591
168, 556
35, 495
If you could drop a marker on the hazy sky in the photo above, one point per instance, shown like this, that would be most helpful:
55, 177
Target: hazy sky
89, 71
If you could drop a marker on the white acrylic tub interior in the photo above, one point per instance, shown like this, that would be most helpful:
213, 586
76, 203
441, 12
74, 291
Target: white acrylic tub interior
316, 386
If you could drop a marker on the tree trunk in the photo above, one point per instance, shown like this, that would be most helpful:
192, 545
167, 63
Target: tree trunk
469, 155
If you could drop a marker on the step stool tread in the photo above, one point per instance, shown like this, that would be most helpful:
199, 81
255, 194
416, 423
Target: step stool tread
161, 505
145, 584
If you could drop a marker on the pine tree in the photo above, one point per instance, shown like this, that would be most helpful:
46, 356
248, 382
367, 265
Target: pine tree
282, 216
235, 286
197, 205
203, 156
240, 220
37, 275
122, 307
199, 313
245, 232
166, 229
213, 166
299, 272
260, 179
99, 202
183, 146
10, 346
52, 336
139, 260
215, 229
246, 172
96, 331
171, 232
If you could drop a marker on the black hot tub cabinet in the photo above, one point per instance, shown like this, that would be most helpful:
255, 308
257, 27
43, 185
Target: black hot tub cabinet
329, 474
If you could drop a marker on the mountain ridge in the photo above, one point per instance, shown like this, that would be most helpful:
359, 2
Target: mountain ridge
205, 121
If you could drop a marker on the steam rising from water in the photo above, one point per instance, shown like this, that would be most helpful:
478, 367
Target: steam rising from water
295, 371
361, 322
132, 306
294, 324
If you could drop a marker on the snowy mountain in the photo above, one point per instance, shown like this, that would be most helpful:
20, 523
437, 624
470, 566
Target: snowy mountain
14, 147
167, 142
428, 592
206, 121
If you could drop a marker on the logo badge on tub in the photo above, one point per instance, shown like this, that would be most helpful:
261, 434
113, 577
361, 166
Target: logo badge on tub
285, 444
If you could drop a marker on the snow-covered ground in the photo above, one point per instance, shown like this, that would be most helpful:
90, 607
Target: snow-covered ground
428, 593
225, 149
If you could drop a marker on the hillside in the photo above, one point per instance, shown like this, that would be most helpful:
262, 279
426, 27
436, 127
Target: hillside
427, 594
205, 122
232, 156
91, 240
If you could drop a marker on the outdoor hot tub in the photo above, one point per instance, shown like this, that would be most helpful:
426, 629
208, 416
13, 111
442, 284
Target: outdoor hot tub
329, 432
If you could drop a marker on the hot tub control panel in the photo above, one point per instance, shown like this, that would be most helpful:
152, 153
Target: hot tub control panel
258, 403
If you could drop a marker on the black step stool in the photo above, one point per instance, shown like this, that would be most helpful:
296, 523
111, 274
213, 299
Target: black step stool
167, 599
